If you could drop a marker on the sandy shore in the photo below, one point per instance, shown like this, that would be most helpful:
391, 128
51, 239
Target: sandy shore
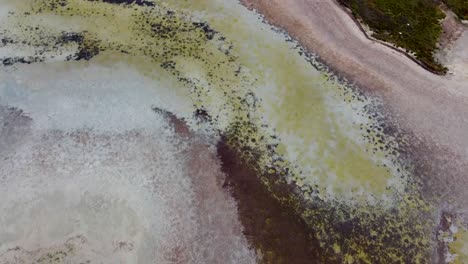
433, 109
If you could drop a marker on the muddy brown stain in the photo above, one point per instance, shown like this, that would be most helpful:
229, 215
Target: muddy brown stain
268, 225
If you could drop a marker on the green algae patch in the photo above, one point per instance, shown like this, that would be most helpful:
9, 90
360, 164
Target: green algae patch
317, 139
458, 248
324, 143
315, 144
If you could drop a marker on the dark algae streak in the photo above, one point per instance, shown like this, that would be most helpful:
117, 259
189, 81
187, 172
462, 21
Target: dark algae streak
128, 2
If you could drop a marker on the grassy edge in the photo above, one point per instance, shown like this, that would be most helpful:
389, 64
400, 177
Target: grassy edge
427, 62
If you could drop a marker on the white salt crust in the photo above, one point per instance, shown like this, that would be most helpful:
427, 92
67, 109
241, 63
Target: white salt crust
92, 173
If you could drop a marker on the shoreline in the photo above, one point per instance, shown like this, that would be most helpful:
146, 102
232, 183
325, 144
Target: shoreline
360, 25
430, 109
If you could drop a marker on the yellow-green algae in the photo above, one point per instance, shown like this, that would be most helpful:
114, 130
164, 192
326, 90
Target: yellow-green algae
284, 115
314, 137
458, 247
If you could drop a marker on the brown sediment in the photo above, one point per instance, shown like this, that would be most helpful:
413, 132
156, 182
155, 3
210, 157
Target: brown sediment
271, 227
287, 229
217, 215
179, 125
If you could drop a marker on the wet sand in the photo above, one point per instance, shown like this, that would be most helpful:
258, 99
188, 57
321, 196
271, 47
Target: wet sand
431, 109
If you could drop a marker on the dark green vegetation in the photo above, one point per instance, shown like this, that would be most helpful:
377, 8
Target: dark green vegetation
460, 7
411, 24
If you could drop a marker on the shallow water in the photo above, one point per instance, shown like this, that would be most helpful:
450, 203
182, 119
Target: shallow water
92, 171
